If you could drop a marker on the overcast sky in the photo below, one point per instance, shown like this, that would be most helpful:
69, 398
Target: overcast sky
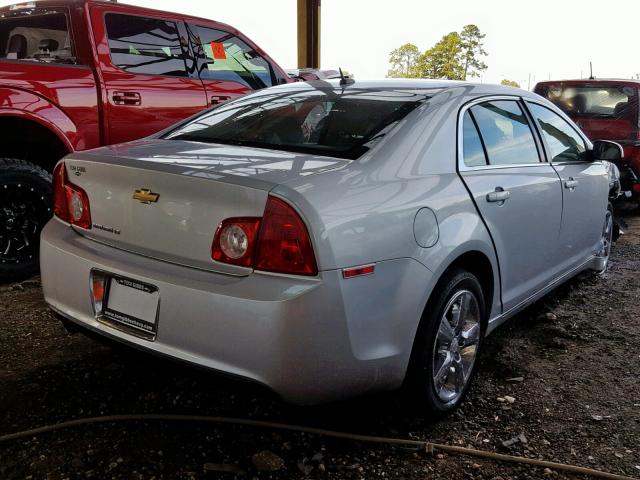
544, 38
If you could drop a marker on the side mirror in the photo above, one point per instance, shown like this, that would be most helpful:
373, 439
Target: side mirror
607, 150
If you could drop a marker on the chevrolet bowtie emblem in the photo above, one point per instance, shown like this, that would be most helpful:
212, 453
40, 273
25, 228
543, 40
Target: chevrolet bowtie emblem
144, 195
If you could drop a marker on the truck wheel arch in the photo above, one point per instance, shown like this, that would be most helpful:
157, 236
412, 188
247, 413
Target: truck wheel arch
32, 138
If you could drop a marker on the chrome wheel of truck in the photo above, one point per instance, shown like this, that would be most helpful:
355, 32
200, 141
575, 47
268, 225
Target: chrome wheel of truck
25, 207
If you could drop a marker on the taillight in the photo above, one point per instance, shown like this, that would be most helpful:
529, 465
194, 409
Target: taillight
70, 202
284, 245
235, 241
278, 242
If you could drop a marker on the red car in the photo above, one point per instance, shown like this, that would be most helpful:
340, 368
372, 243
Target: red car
78, 74
605, 110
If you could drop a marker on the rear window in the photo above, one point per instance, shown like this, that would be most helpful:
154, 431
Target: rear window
36, 34
322, 121
615, 102
145, 45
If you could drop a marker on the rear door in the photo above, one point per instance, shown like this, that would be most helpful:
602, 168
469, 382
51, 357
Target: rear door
147, 70
585, 186
229, 65
518, 195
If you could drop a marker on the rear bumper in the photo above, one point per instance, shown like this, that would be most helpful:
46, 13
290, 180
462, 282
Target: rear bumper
311, 340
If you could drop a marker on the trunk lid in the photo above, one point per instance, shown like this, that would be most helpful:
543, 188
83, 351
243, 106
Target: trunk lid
183, 190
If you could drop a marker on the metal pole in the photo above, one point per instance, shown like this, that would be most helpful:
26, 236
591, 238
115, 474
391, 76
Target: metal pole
308, 33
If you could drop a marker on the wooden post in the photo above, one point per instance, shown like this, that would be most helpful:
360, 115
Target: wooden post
308, 33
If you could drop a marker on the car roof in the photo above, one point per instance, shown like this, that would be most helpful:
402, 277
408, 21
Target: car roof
434, 87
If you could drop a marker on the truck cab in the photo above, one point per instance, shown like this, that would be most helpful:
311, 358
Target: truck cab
79, 74
605, 109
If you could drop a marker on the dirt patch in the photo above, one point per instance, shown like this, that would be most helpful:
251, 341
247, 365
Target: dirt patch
569, 364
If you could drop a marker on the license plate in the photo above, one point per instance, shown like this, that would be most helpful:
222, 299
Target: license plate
132, 303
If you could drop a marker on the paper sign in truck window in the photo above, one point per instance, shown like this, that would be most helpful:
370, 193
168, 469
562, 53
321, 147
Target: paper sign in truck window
217, 50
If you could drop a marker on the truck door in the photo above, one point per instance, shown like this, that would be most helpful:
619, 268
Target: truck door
518, 196
228, 65
147, 71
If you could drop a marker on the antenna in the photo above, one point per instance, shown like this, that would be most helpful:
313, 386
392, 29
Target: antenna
591, 77
345, 80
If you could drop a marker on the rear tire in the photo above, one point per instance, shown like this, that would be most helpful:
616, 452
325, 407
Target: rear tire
447, 346
25, 207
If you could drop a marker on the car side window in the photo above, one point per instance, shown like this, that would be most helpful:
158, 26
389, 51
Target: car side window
223, 56
145, 45
506, 133
472, 149
563, 142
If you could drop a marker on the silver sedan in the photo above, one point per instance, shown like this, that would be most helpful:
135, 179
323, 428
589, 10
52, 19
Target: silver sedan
331, 238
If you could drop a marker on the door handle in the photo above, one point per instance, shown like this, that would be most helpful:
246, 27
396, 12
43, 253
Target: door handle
499, 196
218, 99
127, 98
571, 183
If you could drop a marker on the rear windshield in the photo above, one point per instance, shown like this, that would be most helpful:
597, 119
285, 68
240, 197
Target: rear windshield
322, 121
36, 34
614, 102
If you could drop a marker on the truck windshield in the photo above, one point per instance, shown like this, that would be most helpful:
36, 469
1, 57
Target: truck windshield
598, 101
322, 121
35, 34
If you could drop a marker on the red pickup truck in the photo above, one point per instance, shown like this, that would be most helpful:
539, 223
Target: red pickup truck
605, 109
79, 74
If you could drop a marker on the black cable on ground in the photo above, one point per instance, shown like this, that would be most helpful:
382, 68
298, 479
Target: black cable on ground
428, 446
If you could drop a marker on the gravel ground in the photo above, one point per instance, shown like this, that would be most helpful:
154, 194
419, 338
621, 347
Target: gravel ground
559, 382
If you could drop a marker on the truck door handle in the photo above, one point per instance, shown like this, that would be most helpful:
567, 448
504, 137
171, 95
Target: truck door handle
127, 98
218, 99
499, 196
571, 183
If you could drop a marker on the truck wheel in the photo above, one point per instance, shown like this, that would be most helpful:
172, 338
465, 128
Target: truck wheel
25, 207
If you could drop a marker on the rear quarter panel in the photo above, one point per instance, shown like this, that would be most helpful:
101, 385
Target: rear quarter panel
365, 212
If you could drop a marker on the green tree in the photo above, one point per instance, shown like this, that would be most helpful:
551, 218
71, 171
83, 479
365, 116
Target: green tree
442, 61
403, 61
510, 83
457, 56
472, 51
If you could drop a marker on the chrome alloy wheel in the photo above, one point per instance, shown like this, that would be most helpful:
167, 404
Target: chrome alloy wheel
456, 346
607, 239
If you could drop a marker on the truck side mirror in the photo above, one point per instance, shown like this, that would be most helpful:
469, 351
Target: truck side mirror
607, 150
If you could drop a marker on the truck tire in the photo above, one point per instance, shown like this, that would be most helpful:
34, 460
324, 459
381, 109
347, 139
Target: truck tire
25, 207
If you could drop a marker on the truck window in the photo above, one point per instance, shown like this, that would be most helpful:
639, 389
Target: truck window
36, 34
223, 56
601, 101
145, 45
